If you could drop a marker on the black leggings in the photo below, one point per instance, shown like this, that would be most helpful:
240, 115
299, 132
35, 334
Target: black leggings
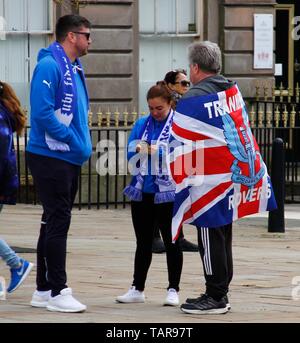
145, 216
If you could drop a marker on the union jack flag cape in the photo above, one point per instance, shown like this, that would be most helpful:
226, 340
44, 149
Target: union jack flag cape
215, 162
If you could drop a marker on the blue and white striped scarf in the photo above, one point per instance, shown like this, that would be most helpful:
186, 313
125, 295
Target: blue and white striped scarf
163, 180
66, 96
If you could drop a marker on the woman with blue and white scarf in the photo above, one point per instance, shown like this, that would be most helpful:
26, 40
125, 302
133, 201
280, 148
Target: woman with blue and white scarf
151, 192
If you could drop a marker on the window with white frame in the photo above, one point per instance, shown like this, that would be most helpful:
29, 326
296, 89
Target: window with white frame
25, 28
170, 17
166, 28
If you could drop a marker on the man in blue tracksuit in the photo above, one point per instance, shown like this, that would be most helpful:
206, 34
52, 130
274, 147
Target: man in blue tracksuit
59, 144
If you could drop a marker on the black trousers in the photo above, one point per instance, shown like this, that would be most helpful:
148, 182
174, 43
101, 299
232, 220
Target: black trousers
215, 247
145, 216
56, 182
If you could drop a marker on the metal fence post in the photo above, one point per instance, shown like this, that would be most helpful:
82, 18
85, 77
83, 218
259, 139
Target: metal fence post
276, 217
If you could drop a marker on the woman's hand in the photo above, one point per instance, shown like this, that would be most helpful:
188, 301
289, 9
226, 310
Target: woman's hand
152, 149
144, 148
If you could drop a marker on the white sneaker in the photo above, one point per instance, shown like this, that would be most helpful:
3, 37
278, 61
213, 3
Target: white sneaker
132, 296
65, 302
172, 298
40, 298
2, 288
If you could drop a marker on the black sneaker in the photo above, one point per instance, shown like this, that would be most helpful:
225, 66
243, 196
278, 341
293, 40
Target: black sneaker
195, 300
158, 246
187, 245
206, 305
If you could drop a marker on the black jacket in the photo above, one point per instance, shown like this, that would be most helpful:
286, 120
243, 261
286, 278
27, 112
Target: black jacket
210, 85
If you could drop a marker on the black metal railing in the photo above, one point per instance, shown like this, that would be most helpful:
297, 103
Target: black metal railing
104, 175
102, 178
279, 116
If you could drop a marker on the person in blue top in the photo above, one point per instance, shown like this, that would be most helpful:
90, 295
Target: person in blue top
151, 192
178, 84
59, 143
12, 119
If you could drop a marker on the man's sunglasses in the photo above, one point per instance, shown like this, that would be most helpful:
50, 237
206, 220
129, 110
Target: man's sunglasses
184, 83
87, 34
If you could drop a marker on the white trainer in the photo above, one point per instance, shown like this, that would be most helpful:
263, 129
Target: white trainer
65, 302
172, 298
132, 296
40, 298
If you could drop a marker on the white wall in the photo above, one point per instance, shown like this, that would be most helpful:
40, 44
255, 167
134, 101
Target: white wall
20, 44
165, 32
157, 57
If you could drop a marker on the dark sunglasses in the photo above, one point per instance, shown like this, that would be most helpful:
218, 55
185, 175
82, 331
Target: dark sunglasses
87, 34
184, 83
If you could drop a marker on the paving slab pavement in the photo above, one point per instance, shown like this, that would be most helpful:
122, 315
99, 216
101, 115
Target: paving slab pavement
100, 262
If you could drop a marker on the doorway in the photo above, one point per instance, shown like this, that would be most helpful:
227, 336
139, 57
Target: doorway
287, 40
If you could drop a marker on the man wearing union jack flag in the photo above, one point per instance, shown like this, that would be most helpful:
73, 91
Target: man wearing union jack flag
218, 171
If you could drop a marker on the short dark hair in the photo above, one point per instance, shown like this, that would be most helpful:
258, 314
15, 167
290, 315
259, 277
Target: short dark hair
171, 76
69, 22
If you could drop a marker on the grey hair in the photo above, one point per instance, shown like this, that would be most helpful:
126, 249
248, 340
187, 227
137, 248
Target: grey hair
207, 55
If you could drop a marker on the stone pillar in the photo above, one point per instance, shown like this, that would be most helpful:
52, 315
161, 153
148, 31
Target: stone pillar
111, 67
236, 41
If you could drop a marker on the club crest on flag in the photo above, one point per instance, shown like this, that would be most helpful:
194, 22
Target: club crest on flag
243, 152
